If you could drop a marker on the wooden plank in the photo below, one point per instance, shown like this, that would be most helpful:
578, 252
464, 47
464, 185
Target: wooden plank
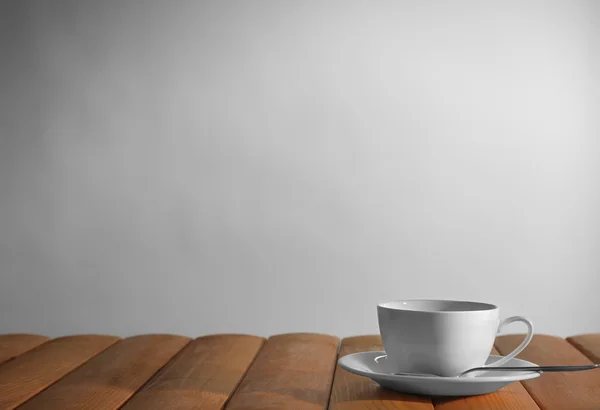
30, 373
511, 397
13, 345
202, 376
351, 391
589, 345
111, 378
291, 371
574, 390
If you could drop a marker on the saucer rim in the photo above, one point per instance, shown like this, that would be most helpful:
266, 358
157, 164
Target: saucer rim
460, 380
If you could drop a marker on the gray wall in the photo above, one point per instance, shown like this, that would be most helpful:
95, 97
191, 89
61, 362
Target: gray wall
264, 167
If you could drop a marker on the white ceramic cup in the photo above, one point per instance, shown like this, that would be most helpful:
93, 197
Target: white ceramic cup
442, 337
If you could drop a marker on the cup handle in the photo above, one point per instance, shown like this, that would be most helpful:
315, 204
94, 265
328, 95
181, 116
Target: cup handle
523, 344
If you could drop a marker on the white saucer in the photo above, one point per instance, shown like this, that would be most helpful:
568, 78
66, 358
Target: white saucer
364, 364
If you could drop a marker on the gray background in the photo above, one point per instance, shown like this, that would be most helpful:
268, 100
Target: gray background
265, 167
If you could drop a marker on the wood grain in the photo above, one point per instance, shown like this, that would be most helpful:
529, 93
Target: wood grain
589, 345
112, 377
351, 391
560, 391
202, 376
291, 371
13, 345
30, 373
511, 397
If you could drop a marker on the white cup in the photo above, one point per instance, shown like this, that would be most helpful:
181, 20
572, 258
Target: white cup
442, 337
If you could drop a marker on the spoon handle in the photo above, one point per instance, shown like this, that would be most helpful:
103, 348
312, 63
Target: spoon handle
537, 368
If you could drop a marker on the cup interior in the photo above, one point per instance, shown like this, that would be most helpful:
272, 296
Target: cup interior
434, 305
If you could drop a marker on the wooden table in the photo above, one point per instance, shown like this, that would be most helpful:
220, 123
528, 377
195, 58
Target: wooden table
289, 371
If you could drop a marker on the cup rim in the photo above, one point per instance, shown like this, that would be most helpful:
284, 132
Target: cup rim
475, 306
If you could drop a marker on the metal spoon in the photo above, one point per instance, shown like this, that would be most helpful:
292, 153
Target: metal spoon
536, 368
518, 369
